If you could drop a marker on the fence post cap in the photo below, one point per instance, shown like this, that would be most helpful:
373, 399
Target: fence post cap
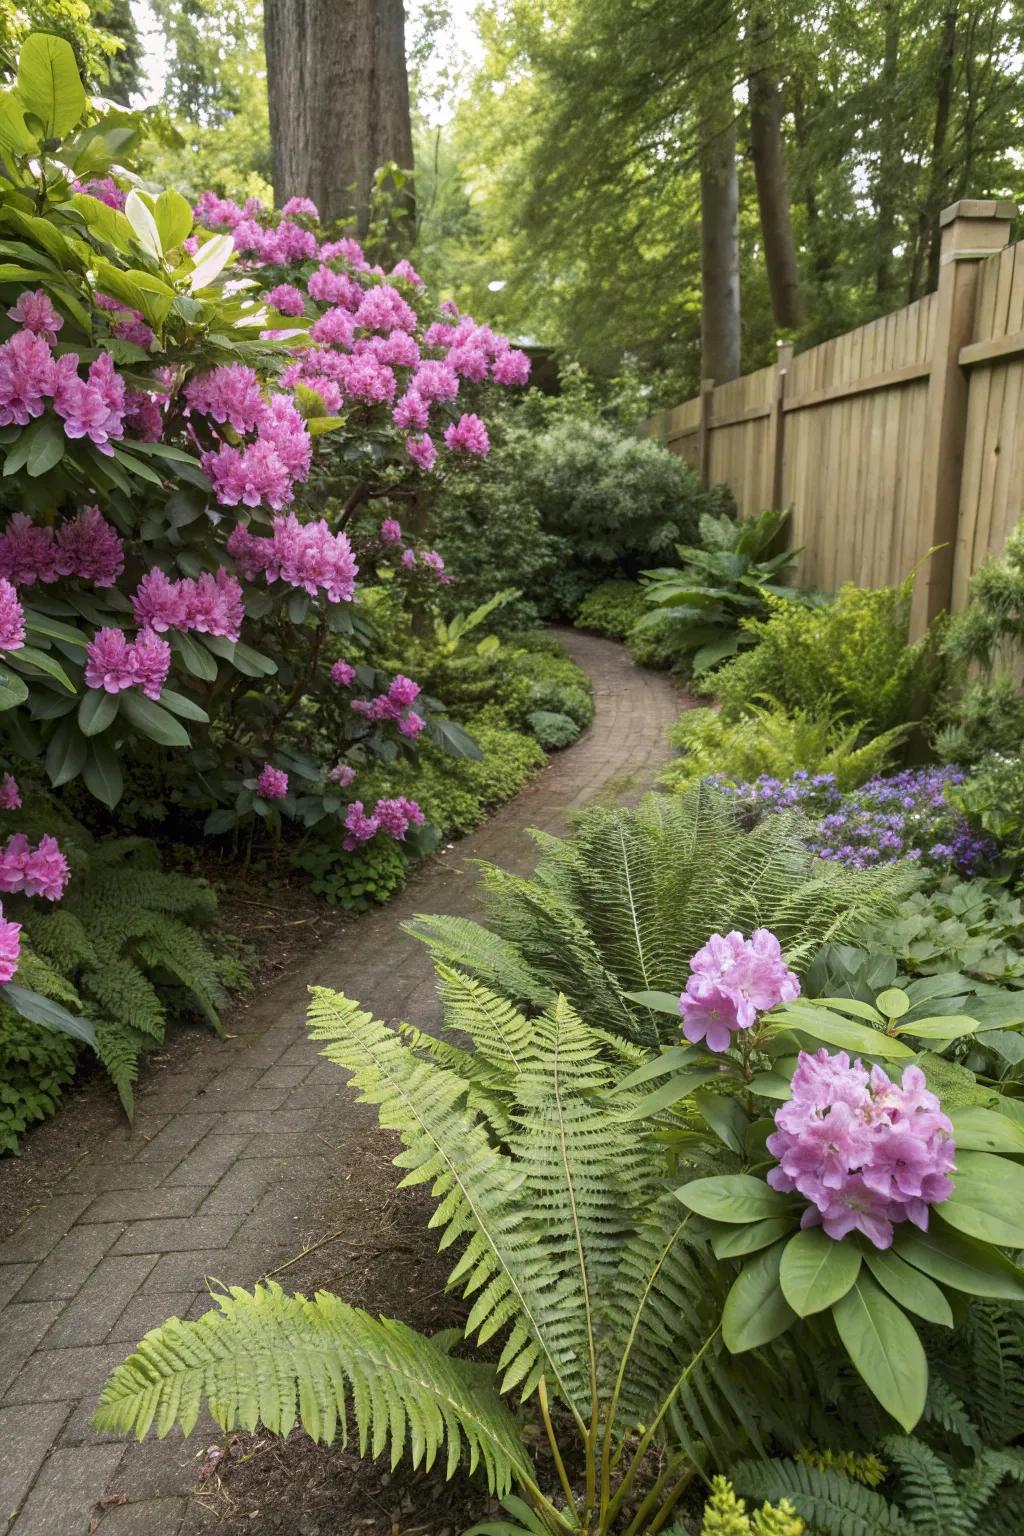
979, 208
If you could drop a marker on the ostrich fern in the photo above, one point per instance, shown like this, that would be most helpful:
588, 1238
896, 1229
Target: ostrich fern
594, 1294
621, 905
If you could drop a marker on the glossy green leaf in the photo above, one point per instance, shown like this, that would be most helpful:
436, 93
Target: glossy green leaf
184, 707
43, 1010
49, 83
13, 689
725, 1117
97, 710
755, 1310
854, 1006
672, 1092
987, 1200
220, 821
42, 661
15, 135
173, 216
670, 1059
886, 1352
733, 1197
976, 1129
913, 1290
940, 1027
844, 1034
152, 720
959, 1261
196, 657
108, 224
658, 1002
734, 1242
210, 260
65, 755
893, 1002
143, 224
102, 774
816, 1270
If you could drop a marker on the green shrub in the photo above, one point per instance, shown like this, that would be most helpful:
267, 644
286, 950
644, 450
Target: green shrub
987, 716
612, 608
552, 730
356, 881
853, 654
770, 741
36, 1066
993, 797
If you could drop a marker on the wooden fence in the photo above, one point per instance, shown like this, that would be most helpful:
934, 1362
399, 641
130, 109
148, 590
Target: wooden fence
904, 434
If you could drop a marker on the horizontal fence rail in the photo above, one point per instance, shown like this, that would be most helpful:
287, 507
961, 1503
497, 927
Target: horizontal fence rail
904, 434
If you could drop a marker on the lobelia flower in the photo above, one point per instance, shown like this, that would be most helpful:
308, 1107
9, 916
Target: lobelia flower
469, 435
343, 674
10, 794
10, 947
391, 531
867, 1153
731, 980
35, 312
12, 618
272, 783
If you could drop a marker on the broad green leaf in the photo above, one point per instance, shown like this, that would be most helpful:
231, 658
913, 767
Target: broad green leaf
668, 1094
894, 1002
987, 1200
733, 1197
42, 661
220, 821
669, 1060
725, 1117
211, 259
153, 721
736, 1242
43, 1010
940, 1027
755, 1310
48, 83
41, 624
913, 1290
853, 1006
196, 657
844, 1034
976, 1129
65, 755
885, 1350
318, 425
173, 215
184, 707
960, 1262
13, 689
247, 661
658, 1002
773, 1085
102, 774
15, 135
108, 224
816, 1270
49, 446
97, 710
143, 225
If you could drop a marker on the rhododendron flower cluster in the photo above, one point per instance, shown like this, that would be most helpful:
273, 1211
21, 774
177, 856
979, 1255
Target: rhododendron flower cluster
10, 947
267, 469
12, 618
393, 817
306, 555
229, 394
85, 546
30, 376
210, 604
732, 980
469, 435
342, 774
10, 794
272, 783
343, 674
395, 706
39, 871
106, 190
867, 1153
114, 663
34, 312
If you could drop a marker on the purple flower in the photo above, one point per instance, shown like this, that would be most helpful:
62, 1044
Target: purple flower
12, 618
343, 674
10, 948
272, 783
732, 980
10, 794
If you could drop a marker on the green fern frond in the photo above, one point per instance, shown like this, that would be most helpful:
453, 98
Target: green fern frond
926, 1488
62, 937
38, 973
276, 1360
944, 1408
979, 1483
499, 1032
831, 1504
119, 1047
466, 945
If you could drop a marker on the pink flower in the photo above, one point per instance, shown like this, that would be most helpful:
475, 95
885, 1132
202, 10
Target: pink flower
159, 603
434, 562
109, 661
92, 408
343, 250
411, 411
751, 971
46, 870
13, 858
105, 190
143, 419
150, 662
214, 604
230, 394
384, 309
391, 531
27, 378
368, 380
215, 212
361, 828
35, 312
330, 287
343, 774
272, 783
511, 367
403, 691
408, 557
406, 273
411, 724
89, 548
395, 817
343, 674
286, 299
10, 948
398, 350
468, 434
470, 362
301, 207
27, 553
12, 618
421, 450
435, 381
335, 328
10, 794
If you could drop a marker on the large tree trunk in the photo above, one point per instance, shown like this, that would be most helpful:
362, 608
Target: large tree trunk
339, 100
720, 250
770, 177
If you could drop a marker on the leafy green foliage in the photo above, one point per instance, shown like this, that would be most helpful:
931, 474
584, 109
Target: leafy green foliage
972, 927
726, 1515
552, 730
698, 611
612, 608
993, 797
623, 904
357, 881
36, 1066
769, 740
853, 655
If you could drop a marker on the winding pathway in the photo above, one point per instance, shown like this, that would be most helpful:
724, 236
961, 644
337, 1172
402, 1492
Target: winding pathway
227, 1158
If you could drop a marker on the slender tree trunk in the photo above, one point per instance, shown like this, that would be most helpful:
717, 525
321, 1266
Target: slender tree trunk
720, 250
339, 100
770, 177
938, 170
888, 151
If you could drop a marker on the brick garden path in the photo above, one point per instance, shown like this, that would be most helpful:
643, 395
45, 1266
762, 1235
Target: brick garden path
226, 1160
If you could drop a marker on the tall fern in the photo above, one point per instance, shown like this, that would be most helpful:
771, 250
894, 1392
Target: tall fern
621, 905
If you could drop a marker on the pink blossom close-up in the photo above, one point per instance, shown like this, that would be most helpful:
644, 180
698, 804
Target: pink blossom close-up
272, 783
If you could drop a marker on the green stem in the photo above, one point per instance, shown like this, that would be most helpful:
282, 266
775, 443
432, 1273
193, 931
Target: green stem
638, 1525
563, 1476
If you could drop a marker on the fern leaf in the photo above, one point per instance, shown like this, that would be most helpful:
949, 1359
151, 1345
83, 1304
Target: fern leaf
459, 942
276, 1360
831, 1504
927, 1491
